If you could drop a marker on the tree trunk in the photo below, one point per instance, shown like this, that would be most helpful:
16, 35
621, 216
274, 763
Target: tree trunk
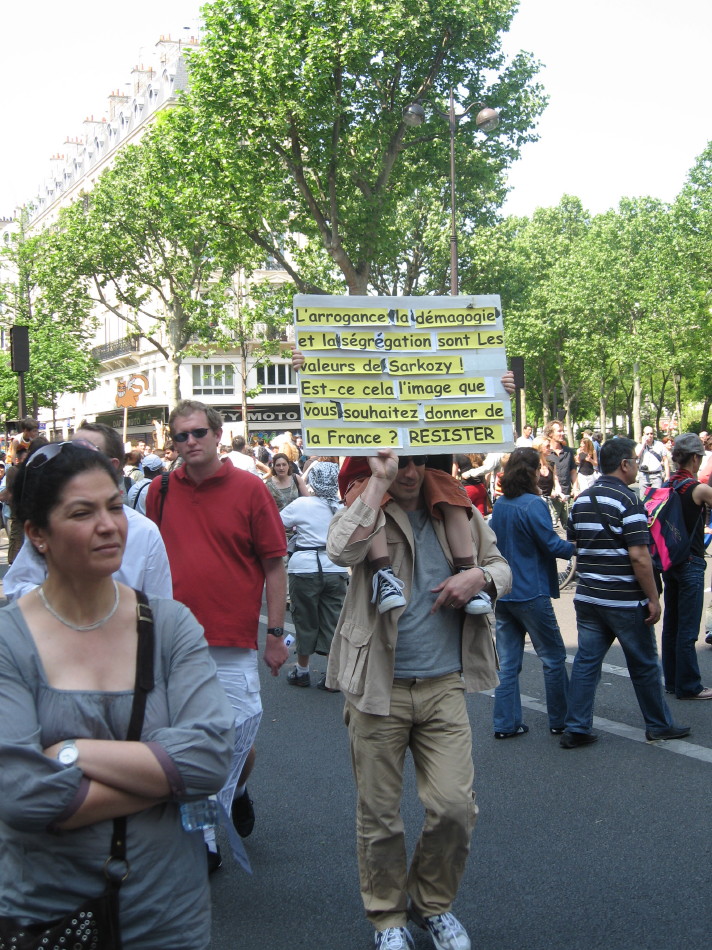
705, 418
637, 390
544, 395
174, 371
602, 406
243, 393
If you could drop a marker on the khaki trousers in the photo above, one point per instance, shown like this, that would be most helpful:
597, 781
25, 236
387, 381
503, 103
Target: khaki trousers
429, 717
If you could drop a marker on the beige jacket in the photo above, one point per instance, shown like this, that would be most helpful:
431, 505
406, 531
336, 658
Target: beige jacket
361, 661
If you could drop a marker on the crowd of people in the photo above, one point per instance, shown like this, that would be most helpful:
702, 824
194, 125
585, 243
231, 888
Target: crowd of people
418, 577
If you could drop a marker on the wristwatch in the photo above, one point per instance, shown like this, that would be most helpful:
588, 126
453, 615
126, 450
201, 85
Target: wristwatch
276, 631
488, 576
68, 753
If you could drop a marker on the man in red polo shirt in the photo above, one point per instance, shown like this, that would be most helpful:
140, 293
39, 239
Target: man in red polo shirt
225, 543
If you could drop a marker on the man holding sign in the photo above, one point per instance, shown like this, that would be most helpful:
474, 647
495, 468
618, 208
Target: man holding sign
403, 674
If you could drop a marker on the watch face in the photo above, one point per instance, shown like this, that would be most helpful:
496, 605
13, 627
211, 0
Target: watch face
68, 755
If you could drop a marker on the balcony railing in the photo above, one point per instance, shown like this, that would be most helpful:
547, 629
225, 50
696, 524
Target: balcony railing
122, 347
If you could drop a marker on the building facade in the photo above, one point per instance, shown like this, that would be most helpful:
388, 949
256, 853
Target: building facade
133, 391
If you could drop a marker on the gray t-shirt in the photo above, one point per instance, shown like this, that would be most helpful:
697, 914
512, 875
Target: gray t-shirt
428, 644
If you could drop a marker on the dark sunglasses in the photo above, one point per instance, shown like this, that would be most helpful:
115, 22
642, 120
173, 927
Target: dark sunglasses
196, 433
405, 460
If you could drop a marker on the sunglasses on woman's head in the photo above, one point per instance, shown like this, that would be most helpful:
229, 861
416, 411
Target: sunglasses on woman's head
47, 452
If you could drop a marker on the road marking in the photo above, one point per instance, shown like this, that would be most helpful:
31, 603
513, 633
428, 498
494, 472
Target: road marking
605, 667
622, 729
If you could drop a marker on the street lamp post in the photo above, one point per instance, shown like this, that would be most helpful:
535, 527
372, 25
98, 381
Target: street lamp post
486, 120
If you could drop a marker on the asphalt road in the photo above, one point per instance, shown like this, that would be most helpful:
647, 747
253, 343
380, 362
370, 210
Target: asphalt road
601, 847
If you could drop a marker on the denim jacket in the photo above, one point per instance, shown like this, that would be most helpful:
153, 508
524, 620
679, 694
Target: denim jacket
530, 545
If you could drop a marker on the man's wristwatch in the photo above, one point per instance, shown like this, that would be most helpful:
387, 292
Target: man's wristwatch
68, 753
488, 576
276, 631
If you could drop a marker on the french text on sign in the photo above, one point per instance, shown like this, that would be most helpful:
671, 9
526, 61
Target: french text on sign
385, 342
339, 365
318, 317
442, 388
463, 411
353, 389
350, 438
424, 365
475, 317
456, 435
462, 340
380, 412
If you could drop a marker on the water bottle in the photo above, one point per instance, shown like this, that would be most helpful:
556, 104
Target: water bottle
200, 814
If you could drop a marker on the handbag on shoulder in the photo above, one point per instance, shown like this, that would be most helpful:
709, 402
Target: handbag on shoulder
94, 925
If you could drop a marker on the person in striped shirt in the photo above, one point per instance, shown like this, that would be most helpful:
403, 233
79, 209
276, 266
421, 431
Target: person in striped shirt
616, 598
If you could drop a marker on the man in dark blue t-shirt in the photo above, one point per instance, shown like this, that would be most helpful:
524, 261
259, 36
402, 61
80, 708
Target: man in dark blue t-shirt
616, 597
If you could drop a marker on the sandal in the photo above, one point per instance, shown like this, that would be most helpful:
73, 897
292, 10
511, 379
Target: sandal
519, 731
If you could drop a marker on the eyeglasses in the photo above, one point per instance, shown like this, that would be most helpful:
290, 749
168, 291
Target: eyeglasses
637, 461
47, 452
405, 460
196, 433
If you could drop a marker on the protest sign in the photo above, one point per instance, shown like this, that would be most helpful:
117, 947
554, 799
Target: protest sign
419, 375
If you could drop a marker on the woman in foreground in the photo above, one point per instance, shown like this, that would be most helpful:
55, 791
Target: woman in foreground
68, 655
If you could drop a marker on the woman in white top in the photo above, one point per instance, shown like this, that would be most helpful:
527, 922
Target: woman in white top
317, 586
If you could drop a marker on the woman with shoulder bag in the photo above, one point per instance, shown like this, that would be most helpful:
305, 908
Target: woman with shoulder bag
113, 729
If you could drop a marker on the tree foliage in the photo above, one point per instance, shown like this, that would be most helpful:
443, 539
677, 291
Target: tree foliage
60, 328
148, 246
301, 104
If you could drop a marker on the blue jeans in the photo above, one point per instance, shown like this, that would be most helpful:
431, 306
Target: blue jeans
514, 620
684, 594
598, 627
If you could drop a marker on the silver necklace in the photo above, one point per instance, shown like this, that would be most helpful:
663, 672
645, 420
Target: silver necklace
79, 627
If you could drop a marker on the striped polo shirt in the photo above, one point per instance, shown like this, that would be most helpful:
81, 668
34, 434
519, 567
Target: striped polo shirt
605, 574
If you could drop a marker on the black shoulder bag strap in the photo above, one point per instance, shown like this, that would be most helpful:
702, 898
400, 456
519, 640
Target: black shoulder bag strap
143, 685
164, 491
604, 523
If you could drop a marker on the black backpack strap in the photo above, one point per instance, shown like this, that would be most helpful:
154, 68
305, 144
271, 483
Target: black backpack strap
138, 495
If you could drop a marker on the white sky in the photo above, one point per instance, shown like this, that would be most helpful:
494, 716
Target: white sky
629, 84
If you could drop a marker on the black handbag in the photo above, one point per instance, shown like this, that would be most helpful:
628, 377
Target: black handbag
94, 925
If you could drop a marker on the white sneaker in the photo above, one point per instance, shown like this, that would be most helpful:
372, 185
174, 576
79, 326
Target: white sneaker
479, 604
387, 590
447, 932
394, 938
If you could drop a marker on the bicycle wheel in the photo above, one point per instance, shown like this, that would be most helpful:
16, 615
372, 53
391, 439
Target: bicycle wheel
567, 573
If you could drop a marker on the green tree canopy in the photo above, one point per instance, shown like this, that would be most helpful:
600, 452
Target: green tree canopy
300, 110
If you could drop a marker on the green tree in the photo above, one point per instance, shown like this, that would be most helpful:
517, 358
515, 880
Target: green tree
519, 259
60, 327
299, 110
148, 246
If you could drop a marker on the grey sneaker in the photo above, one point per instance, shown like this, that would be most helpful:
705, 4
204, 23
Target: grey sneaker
445, 929
295, 678
387, 591
479, 604
394, 938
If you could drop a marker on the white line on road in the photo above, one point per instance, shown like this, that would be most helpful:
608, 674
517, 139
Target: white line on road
605, 667
622, 729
